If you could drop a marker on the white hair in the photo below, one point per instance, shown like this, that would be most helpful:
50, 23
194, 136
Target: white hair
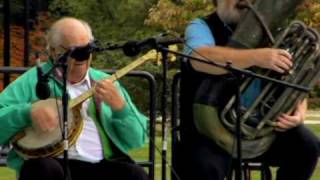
55, 37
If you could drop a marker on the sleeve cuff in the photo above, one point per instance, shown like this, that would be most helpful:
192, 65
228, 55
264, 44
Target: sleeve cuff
121, 113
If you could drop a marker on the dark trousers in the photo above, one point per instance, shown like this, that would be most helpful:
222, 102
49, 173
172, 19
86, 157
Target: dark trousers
52, 169
295, 152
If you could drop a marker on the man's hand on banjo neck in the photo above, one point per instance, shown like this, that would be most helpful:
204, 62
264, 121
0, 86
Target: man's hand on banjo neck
107, 92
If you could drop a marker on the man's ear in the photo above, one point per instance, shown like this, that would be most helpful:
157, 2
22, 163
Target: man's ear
51, 53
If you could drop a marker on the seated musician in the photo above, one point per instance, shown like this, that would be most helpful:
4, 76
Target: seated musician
112, 123
295, 150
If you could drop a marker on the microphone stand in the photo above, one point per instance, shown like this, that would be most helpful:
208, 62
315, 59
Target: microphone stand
65, 119
62, 62
236, 72
238, 173
164, 101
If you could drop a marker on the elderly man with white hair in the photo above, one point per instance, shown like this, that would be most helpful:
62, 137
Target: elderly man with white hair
112, 125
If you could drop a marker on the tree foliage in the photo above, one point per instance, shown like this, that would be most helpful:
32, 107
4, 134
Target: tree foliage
309, 13
117, 21
114, 21
174, 16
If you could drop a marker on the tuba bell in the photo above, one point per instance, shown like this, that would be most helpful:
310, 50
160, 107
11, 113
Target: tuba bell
217, 120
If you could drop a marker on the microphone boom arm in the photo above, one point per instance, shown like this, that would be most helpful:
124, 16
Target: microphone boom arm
118, 74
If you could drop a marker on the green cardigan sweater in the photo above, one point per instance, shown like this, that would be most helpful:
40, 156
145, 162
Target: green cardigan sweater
125, 128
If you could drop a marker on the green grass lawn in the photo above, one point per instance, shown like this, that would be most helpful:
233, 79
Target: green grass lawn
142, 154
7, 174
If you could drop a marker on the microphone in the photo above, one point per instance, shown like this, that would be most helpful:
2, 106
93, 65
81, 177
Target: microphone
95, 48
83, 53
133, 48
42, 86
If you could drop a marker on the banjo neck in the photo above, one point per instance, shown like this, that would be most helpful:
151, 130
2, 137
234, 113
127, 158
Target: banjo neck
118, 74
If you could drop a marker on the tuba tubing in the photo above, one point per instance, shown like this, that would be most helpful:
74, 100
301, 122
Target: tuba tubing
274, 13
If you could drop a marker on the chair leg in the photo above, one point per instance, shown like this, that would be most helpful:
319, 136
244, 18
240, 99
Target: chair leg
266, 173
246, 172
229, 176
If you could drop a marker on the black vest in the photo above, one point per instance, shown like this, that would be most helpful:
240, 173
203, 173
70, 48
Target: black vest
191, 79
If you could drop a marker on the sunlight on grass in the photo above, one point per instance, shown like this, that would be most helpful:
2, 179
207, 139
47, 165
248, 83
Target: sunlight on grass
314, 118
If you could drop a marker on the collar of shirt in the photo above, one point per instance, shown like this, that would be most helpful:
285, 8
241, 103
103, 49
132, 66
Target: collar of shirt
84, 81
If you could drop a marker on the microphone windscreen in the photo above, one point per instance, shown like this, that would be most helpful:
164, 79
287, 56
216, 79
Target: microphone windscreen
131, 48
42, 90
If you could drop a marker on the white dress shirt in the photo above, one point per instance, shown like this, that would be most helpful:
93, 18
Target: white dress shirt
88, 146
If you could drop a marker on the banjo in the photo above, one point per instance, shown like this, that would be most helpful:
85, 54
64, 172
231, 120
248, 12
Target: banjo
31, 143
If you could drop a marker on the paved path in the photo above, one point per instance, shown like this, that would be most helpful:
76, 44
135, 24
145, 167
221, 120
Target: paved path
313, 113
313, 117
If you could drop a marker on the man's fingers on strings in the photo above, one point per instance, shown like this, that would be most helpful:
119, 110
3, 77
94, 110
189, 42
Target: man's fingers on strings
100, 90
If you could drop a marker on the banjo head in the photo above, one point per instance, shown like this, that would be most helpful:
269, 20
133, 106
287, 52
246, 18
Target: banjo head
33, 143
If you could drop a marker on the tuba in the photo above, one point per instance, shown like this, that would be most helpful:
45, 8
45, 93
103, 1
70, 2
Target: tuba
216, 120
